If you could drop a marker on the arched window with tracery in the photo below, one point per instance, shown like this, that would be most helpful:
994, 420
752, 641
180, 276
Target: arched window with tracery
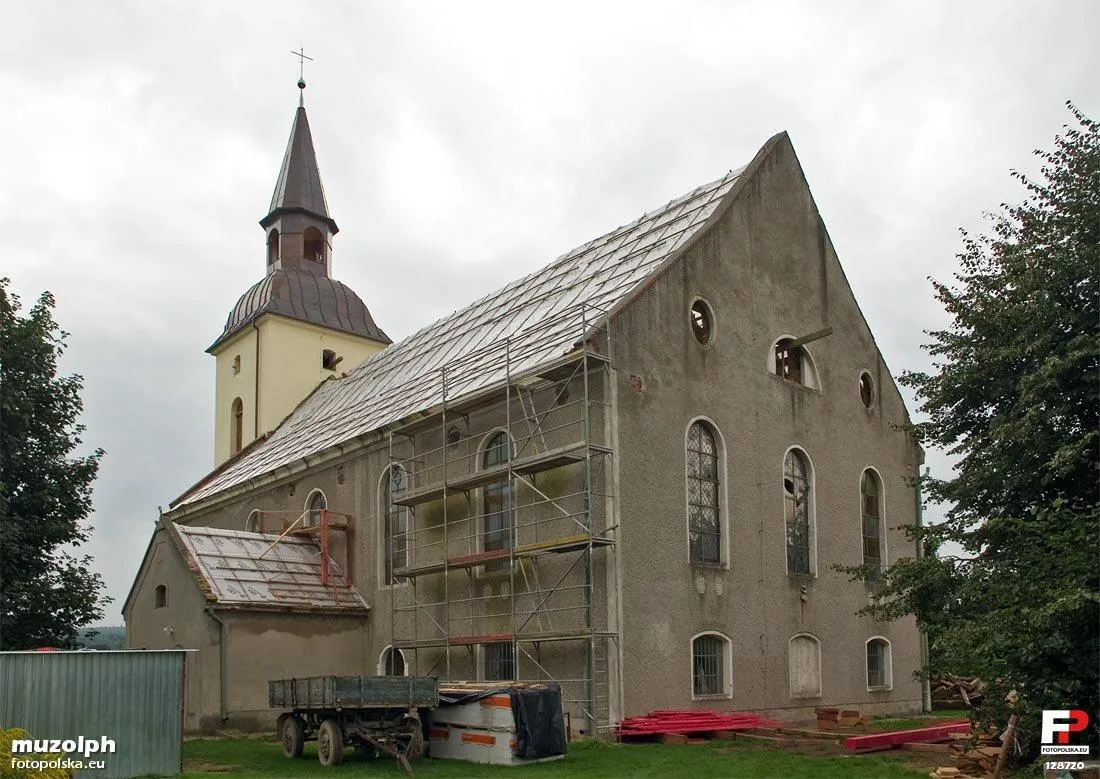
704, 505
499, 499
871, 509
797, 504
395, 525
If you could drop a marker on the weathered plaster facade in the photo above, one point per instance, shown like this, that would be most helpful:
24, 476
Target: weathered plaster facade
767, 269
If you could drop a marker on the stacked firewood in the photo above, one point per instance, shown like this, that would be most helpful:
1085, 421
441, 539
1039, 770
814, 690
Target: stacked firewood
956, 692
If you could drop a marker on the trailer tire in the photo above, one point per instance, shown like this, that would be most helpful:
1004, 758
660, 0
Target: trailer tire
330, 743
293, 735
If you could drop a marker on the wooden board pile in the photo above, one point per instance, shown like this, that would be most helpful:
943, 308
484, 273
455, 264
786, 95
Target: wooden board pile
976, 762
956, 692
830, 718
691, 722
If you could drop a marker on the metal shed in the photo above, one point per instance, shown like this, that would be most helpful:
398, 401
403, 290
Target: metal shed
134, 698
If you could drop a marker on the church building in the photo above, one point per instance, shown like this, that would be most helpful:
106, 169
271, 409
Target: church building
632, 471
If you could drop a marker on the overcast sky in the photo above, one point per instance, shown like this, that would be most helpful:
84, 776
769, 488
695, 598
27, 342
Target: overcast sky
465, 144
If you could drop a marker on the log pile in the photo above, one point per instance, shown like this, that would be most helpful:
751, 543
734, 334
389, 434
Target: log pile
956, 692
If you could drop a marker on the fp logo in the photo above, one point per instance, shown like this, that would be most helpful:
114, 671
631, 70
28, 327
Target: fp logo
1054, 721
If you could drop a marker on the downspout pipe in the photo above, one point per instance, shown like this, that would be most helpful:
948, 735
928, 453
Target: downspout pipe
926, 687
223, 683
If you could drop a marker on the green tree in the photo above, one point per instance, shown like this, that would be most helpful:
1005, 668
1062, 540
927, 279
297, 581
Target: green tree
1014, 394
47, 593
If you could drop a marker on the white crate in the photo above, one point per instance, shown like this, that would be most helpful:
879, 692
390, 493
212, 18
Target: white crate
494, 711
474, 744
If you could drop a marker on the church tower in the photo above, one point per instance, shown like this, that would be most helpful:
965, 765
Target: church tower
298, 325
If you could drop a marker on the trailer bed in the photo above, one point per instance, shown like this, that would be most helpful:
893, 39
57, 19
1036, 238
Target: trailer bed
353, 692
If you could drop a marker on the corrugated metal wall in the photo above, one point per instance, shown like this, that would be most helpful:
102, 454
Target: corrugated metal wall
134, 698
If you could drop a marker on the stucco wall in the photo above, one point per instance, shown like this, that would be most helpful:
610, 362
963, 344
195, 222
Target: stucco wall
767, 270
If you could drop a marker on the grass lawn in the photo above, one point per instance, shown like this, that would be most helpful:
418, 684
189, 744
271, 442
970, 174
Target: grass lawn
209, 759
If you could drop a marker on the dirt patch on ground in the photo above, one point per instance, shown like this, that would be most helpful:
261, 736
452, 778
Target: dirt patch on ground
200, 767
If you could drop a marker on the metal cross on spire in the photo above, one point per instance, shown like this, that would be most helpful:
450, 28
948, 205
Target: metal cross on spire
301, 55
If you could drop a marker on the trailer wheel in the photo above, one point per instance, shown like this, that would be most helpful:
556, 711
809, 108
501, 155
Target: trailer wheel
292, 735
330, 743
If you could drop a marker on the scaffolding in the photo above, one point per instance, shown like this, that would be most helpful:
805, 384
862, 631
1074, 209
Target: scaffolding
513, 549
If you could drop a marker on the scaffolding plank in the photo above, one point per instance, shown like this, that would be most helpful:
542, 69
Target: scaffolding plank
498, 638
560, 545
535, 463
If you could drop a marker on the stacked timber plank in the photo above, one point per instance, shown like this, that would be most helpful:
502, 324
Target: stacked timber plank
956, 692
831, 718
687, 722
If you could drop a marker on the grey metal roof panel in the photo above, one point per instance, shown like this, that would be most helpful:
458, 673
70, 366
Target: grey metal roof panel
244, 569
309, 297
298, 187
550, 307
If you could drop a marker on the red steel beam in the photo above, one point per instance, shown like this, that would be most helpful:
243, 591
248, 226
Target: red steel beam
899, 737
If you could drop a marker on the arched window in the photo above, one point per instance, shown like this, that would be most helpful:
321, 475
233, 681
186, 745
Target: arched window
392, 663
237, 412
710, 659
255, 521
879, 664
793, 363
499, 500
871, 508
704, 520
395, 525
160, 597
315, 504
313, 245
272, 246
797, 507
804, 658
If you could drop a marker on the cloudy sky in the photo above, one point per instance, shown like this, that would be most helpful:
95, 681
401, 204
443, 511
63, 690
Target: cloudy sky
465, 144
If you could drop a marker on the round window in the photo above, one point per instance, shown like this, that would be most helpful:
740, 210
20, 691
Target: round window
866, 389
702, 322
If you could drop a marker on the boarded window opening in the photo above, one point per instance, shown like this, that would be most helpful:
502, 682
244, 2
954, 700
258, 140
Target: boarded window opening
704, 521
701, 321
708, 665
236, 364
866, 389
804, 657
500, 661
161, 597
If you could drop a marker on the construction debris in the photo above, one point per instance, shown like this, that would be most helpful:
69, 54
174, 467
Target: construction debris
956, 692
663, 722
978, 761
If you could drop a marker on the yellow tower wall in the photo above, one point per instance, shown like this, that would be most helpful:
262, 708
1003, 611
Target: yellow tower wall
281, 359
230, 384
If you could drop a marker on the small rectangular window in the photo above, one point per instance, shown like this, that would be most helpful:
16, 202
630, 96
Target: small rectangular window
500, 661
